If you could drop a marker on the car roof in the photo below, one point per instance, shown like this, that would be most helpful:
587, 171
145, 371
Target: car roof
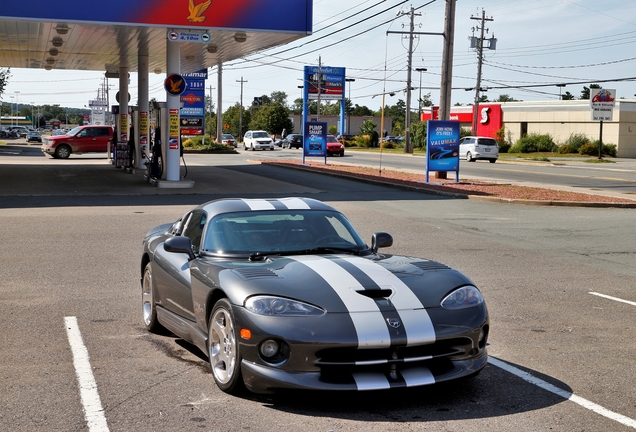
231, 205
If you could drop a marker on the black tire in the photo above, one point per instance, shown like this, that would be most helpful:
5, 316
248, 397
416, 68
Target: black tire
469, 157
493, 160
62, 152
148, 303
223, 348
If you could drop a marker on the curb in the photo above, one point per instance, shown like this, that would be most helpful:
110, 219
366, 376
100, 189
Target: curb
426, 190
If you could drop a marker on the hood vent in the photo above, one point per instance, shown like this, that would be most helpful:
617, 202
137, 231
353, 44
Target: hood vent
429, 265
376, 294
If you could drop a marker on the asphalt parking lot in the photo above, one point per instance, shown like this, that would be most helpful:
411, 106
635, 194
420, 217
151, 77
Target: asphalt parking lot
558, 282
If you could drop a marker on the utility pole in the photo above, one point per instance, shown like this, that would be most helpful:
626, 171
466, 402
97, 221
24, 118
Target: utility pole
319, 83
241, 111
447, 61
478, 43
408, 146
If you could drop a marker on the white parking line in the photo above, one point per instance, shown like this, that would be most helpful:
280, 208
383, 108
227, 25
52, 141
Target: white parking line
613, 298
93, 411
564, 394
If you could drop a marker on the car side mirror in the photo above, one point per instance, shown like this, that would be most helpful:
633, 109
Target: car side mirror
179, 244
380, 240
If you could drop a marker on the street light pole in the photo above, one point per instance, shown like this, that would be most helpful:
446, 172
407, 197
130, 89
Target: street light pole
17, 106
420, 70
11, 117
349, 113
32, 107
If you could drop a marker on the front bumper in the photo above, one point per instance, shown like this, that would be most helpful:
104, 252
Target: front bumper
264, 379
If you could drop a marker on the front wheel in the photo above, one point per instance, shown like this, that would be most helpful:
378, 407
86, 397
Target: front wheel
62, 152
493, 160
469, 157
223, 348
148, 303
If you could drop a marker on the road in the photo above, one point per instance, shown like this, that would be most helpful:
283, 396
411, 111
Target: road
71, 248
616, 179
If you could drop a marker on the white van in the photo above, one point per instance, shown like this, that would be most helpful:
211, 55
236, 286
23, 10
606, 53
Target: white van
473, 148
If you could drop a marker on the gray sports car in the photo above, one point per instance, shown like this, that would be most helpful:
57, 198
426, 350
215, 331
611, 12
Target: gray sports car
284, 294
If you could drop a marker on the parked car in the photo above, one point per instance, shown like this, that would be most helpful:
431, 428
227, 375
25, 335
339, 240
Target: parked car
33, 136
82, 139
345, 137
57, 132
474, 148
334, 147
285, 294
15, 132
228, 139
257, 140
293, 140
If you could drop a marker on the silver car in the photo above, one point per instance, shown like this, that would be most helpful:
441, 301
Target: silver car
257, 140
474, 148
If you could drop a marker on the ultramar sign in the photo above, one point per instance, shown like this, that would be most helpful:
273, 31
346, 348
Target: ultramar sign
602, 104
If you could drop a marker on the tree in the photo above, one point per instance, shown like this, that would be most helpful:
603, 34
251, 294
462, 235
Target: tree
506, 98
5, 74
279, 97
585, 93
568, 96
231, 117
368, 128
272, 118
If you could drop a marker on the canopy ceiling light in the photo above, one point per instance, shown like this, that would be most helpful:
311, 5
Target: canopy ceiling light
50, 60
212, 48
158, 71
190, 58
48, 67
240, 37
61, 29
57, 41
54, 51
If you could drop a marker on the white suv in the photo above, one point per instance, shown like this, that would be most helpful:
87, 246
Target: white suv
257, 140
473, 148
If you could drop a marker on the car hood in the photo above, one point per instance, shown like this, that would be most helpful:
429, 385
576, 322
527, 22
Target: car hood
334, 282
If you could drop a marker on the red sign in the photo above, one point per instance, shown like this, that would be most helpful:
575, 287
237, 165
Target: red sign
191, 131
489, 118
191, 99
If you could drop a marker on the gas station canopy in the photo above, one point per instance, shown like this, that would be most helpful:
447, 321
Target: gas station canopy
84, 35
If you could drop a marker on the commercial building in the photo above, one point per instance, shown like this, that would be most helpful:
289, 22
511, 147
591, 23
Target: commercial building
560, 119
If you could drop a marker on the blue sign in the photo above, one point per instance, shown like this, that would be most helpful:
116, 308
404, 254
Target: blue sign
315, 140
174, 84
442, 146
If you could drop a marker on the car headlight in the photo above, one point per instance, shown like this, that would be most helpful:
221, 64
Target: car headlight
464, 297
278, 306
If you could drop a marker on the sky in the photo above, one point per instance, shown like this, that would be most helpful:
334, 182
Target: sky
540, 43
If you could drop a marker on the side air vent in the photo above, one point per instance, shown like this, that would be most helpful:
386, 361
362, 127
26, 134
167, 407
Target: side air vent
255, 273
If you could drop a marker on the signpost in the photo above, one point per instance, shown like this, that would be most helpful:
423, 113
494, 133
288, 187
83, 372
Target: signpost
442, 146
602, 102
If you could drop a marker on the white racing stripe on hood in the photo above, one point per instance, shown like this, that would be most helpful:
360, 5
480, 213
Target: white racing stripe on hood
258, 204
294, 203
366, 316
418, 325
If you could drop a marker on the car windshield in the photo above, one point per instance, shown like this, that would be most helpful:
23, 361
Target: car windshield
74, 131
332, 139
279, 232
260, 135
227, 136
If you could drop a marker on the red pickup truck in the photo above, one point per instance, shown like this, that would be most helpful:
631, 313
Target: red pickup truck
82, 139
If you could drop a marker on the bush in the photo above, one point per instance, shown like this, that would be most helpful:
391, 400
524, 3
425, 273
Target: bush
389, 145
534, 143
567, 148
575, 141
591, 149
500, 137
